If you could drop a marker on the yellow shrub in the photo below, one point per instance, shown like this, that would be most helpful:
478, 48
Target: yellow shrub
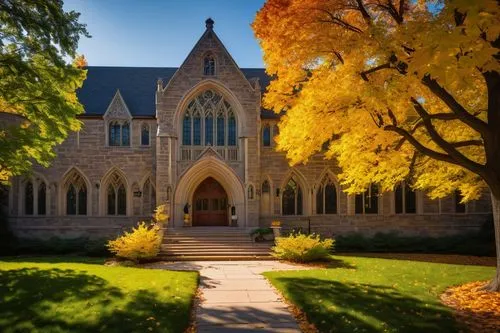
302, 248
142, 243
160, 215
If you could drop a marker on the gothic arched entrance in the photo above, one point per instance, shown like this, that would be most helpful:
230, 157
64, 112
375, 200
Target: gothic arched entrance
210, 204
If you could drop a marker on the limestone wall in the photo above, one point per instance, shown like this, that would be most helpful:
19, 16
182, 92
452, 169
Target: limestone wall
88, 153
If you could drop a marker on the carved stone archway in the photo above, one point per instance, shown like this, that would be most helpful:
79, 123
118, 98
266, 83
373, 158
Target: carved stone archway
209, 165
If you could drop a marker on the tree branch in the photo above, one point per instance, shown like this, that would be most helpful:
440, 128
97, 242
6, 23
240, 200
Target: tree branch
454, 154
463, 115
420, 147
467, 143
338, 21
366, 16
364, 74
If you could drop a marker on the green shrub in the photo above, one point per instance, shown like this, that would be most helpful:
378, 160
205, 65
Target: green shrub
261, 231
480, 244
60, 246
302, 248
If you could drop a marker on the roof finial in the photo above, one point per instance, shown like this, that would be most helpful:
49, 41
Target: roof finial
209, 23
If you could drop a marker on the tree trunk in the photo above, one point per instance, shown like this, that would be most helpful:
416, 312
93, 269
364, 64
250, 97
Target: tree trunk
494, 285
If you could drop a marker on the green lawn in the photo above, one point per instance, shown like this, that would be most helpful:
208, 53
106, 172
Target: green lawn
58, 294
376, 295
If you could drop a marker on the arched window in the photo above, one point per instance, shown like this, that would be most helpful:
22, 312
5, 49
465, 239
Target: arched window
209, 65
76, 194
367, 202
119, 134
266, 188
145, 135
250, 192
28, 198
209, 120
266, 136
116, 196
405, 199
42, 199
292, 198
326, 197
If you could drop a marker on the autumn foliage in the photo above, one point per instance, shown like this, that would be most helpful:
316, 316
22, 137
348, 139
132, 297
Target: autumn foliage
302, 248
476, 308
395, 90
143, 242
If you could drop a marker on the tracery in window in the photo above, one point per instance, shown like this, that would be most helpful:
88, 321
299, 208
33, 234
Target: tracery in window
145, 135
116, 196
76, 194
405, 199
119, 133
292, 198
326, 197
209, 120
209, 65
367, 202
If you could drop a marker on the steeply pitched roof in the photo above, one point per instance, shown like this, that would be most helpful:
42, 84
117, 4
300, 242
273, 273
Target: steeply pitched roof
137, 86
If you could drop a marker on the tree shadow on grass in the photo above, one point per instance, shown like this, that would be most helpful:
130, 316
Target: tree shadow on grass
57, 300
51, 259
348, 307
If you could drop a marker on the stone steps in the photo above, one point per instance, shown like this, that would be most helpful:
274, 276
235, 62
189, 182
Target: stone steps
218, 243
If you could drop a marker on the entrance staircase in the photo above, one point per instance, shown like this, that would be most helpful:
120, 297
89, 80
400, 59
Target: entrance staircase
212, 243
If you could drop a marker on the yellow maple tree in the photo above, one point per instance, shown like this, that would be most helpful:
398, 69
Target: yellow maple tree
397, 89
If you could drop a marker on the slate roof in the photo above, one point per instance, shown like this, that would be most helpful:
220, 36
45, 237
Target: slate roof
137, 86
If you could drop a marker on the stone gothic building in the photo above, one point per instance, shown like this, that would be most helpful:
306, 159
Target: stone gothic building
197, 139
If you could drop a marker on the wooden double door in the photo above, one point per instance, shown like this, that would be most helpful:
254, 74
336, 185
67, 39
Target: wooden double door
210, 204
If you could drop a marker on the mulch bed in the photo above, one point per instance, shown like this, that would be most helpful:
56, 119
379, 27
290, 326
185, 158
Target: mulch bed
454, 259
475, 308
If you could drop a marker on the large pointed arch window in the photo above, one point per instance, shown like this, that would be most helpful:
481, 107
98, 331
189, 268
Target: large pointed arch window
116, 195
76, 194
292, 198
209, 120
326, 197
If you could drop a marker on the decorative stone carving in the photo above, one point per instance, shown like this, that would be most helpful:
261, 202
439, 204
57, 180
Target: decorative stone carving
117, 109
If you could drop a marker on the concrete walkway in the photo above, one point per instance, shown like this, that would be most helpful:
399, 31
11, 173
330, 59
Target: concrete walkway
235, 297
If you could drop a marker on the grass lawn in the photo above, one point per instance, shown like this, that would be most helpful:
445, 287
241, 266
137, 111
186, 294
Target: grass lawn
59, 294
376, 295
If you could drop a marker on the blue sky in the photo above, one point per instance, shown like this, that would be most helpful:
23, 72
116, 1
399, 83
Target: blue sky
154, 33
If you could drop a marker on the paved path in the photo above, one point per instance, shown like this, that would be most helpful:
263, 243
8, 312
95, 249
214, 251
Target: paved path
237, 298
